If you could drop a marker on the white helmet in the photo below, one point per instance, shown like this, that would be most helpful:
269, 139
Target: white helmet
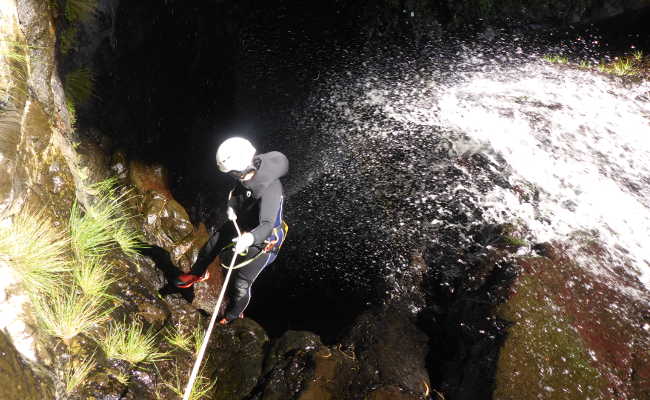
235, 155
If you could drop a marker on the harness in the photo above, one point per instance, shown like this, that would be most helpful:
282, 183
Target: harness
272, 244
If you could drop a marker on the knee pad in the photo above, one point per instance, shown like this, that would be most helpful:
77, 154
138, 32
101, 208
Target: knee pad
241, 287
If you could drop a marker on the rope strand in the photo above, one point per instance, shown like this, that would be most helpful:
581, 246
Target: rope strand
206, 337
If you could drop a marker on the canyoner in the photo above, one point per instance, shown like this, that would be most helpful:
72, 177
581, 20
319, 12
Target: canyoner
257, 202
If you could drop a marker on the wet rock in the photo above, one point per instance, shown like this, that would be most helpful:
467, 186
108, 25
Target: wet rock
299, 366
166, 223
137, 296
237, 351
206, 293
166, 220
18, 380
573, 335
392, 393
146, 177
390, 350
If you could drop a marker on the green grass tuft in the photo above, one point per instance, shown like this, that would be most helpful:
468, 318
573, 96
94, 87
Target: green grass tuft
176, 338
68, 38
200, 389
65, 313
129, 239
14, 55
35, 249
115, 203
75, 375
198, 334
123, 378
623, 67
91, 231
128, 342
72, 111
635, 64
79, 86
514, 241
80, 10
93, 276
556, 59
105, 224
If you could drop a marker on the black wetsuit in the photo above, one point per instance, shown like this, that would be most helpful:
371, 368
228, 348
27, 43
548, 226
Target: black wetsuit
258, 204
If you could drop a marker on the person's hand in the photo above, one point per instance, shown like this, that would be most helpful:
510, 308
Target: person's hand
243, 242
231, 214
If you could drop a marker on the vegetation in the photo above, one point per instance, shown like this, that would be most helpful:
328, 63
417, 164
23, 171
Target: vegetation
36, 249
178, 339
556, 59
72, 111
91, 231
105, 224
65, 313
67, 39
65, 273
514, 241
122, 378
14, 55
93, 276
200, 389
541, 346
198, 334
128, 342
80, 10
620, 66
635, 64
79, 85
76, 374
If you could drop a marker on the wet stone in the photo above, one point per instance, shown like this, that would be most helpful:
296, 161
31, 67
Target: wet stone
206, 293
299, 366
17, 380
390, 349
237, 351
392, 393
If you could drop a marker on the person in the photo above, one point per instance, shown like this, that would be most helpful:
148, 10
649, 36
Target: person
257, 203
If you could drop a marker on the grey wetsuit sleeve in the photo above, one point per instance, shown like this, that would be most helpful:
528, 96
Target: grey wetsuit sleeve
271, 205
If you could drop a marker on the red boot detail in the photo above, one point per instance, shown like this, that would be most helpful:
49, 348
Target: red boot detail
186, 280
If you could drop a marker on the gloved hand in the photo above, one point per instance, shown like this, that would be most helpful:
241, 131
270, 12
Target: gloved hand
231, 214
243, 242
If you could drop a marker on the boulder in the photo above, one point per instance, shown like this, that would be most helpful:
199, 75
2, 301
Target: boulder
574, 334
390, 351
299, 366
237, 352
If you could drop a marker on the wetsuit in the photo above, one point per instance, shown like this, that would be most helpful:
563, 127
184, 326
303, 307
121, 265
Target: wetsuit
258, 204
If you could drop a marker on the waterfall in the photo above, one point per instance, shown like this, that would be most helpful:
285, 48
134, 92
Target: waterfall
567, 155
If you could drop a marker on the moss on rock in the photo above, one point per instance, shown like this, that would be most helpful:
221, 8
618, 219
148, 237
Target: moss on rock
543, 354
574, 334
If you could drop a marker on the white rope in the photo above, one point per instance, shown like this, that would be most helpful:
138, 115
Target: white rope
206, 337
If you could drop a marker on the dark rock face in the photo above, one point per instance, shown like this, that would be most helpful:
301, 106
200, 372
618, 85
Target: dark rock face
390, 351
237, 350
18, 380
383, 356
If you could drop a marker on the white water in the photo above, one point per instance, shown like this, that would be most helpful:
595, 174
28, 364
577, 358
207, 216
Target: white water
582, 139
